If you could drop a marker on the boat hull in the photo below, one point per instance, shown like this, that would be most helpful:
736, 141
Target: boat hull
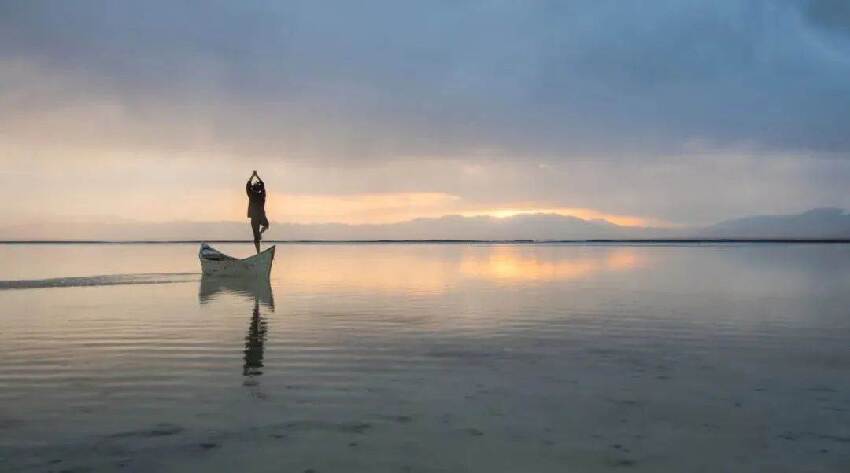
259, 265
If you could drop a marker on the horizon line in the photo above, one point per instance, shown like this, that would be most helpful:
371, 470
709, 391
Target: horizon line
443, 241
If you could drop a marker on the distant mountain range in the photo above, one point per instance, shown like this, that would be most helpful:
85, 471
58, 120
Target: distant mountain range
824, 223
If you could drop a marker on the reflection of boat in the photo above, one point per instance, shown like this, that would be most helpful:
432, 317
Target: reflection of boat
214, 262
259, 289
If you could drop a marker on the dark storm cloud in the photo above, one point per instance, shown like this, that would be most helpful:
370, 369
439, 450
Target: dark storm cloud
389, 78
834, 14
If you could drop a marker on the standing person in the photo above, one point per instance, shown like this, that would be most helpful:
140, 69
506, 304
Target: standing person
256, 208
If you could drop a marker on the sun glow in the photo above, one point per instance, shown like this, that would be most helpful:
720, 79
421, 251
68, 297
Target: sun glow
381, 208
585, 214
356, 209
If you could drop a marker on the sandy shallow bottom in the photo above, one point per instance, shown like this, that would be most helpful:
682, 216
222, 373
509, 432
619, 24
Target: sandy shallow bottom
601, 412
647, 368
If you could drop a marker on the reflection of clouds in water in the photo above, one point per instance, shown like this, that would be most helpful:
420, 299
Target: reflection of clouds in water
396, 269
433, 269
522, 264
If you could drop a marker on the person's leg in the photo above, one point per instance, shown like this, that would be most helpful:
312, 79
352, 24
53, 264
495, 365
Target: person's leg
264, 225
255, 227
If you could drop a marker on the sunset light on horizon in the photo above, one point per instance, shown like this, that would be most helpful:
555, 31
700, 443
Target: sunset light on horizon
479, 236
358, 115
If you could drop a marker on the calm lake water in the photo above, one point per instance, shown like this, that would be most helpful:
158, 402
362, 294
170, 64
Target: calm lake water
427, 358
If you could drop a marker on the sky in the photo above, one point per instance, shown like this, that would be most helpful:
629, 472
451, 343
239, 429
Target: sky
665, 113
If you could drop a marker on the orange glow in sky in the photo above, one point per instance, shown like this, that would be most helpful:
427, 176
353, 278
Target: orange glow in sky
585, 214
359, 208
382, 208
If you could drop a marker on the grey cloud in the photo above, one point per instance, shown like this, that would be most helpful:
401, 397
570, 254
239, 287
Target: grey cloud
832, 14
384, 79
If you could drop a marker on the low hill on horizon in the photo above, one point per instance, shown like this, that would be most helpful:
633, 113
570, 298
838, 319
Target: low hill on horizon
821, 223
825, 223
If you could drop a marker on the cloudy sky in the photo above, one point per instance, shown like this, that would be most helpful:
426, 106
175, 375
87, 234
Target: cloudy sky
663, 112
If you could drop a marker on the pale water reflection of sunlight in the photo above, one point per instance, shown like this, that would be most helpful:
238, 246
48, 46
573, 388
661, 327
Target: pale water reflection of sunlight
527, 264
543, 357
406, 268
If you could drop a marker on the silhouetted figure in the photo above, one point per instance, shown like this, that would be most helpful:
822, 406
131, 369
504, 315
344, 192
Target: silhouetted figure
256, 208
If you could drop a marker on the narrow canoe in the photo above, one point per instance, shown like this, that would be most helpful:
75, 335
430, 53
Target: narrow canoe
215, 263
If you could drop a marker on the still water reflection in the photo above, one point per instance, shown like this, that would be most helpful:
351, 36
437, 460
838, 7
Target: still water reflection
258, 290
518, 263
254, 343
427, 358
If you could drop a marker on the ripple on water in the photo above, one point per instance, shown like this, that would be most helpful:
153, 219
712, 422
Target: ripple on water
361, 350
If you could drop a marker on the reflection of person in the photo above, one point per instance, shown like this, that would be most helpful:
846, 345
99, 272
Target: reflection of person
254, 344
256, 207
259, 293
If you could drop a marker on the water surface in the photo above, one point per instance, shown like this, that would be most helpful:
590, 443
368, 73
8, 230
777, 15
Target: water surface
405, 357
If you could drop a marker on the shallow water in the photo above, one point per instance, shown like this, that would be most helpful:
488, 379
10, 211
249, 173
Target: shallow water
408, 357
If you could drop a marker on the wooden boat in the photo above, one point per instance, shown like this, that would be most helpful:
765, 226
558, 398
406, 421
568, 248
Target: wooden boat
216, 263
